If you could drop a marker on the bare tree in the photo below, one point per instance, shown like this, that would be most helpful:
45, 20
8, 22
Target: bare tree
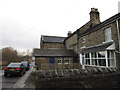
9, 55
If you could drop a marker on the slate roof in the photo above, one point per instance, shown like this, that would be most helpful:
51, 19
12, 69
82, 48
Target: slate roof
104, 23
96, 27
97, 48
53, 39
54, 52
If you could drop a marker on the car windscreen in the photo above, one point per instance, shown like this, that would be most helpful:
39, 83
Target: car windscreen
25, 63
14, 65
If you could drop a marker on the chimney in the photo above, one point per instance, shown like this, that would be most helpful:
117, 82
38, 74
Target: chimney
69, 33
94, 17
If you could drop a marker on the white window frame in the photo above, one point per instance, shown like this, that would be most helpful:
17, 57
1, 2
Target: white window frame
97, 59
110, 58
68, 60
108, 35
59, 59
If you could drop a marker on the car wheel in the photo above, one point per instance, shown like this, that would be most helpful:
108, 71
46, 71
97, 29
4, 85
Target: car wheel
24, 72
5, 75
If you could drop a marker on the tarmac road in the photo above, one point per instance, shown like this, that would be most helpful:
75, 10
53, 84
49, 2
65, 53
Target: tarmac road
8, 82
14, 81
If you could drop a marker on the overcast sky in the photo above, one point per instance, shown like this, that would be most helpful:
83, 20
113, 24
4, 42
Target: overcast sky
22, 22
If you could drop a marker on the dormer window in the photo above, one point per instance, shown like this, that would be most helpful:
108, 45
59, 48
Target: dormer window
108, 34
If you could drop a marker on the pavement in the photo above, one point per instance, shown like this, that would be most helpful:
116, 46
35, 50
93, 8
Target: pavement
21, 83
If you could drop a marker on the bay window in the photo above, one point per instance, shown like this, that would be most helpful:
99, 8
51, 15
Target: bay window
101, 58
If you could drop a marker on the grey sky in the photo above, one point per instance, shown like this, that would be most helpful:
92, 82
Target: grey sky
22, 22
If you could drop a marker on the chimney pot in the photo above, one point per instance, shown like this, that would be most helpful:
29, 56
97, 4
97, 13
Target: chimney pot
94, 9
69, 33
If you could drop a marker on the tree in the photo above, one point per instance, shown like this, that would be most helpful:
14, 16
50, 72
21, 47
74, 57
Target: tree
9, 55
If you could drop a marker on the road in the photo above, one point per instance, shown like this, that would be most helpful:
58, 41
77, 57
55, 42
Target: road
8, 82
13, 81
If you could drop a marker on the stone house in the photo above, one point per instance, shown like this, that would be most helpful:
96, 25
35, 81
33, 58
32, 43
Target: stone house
95, 44
56, 59
52, 54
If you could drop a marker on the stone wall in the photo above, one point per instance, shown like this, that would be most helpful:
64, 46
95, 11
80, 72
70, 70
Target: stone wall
97, 37
52, 45
43, 63
78, 78
71, 42
84, 27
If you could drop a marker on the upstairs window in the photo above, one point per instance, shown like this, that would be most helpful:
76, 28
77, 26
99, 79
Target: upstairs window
108, 34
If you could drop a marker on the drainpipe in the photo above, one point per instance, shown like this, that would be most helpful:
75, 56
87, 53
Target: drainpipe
118, 33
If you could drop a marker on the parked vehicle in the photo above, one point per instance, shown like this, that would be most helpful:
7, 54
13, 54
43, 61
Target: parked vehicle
14, 69
26, 64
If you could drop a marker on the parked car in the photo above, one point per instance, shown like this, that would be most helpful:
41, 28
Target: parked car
14, 69
26, 64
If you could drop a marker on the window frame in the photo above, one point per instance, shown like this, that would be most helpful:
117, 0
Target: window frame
67, 62
108, 34
59, 59
98, 60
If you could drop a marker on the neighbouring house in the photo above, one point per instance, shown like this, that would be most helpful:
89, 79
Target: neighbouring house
52, 42
52, 54
56, 59
95, 44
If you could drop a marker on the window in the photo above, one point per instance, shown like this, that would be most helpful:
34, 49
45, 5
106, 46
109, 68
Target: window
67, 61
51, 60
108, 34
94, 58
87, 59
60, 61
83, 42
110, 56
102, 58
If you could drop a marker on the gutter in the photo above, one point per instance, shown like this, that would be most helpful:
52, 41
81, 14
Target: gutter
118, 33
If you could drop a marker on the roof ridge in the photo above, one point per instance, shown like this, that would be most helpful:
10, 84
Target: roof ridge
53, 36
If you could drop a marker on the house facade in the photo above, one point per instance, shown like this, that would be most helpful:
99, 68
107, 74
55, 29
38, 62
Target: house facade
95, 44
52, 54
56, 59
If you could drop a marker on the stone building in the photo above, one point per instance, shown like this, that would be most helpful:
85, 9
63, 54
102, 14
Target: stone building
97, 44
48, 42
56, 59
52, 54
